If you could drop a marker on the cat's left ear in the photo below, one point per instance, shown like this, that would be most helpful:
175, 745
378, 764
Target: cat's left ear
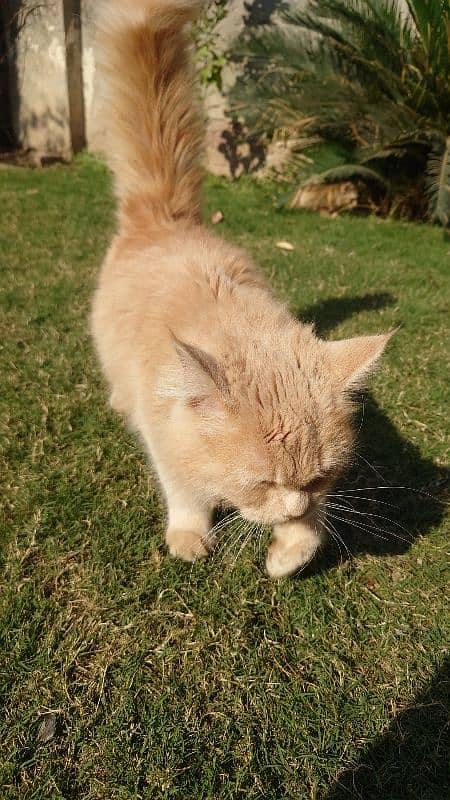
354, 360
205, 384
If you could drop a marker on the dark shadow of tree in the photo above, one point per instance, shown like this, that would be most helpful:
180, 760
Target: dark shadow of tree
410, 761
9, 92
243, 151
397, 493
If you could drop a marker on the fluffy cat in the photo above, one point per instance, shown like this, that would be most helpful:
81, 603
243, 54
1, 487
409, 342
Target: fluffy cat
237, 402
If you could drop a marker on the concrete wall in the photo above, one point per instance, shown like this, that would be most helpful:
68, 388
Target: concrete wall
94, 126
41, 115
226, 152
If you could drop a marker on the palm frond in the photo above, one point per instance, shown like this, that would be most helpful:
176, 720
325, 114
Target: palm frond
349, 172
432, 22
374, 74
438, 184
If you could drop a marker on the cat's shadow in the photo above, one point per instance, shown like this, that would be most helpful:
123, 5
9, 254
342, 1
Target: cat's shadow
410, 759
395, 494
327, 314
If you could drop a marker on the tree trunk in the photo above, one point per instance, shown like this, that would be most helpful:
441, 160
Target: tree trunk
74, 62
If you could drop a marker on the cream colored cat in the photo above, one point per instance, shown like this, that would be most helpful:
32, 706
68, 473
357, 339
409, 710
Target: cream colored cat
238, 403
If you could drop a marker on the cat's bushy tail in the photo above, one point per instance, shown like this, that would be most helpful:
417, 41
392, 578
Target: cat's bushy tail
154, 127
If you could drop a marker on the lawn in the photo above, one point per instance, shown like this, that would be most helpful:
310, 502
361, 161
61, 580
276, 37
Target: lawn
126, 675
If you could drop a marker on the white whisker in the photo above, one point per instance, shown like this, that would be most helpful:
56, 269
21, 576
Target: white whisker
247, 535
374, 470
368, 514
362, 417
234, 541
372, 529
332, 534
337, 537
348, 496
222, 523
390, 488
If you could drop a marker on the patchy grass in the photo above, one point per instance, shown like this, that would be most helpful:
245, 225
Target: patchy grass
126, 675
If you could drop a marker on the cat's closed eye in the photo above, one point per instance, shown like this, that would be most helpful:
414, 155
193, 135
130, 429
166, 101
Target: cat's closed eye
267, 485
315, 485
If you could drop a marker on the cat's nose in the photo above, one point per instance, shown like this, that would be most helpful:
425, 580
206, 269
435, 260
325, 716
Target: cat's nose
297, 504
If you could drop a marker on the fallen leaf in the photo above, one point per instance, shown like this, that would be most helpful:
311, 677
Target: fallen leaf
216, 217
285, 245
46, 729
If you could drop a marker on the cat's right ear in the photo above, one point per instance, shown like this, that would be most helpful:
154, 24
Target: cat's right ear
353, 360
205, 383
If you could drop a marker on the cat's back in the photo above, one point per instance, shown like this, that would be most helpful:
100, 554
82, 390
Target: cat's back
187, 281
189, 285
164, 271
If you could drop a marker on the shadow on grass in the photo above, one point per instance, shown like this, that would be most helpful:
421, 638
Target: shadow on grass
409, 761
326, 314
394, 493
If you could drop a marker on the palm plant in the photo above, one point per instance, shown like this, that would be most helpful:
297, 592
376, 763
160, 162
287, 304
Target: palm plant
375, 73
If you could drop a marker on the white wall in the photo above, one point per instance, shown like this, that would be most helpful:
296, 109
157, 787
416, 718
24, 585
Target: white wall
42, 114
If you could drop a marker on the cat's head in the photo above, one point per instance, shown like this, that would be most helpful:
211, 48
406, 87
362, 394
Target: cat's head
276, 421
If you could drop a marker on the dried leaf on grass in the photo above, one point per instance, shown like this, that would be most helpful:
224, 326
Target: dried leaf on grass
285, 246
46, 729
216, 217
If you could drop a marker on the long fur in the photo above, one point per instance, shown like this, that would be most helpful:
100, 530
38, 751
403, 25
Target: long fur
237, 402
152, 117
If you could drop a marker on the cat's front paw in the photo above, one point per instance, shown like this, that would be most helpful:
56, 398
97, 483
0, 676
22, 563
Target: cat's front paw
294, 545
189, 545
282, 561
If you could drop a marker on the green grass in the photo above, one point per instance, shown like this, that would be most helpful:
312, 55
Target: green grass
161, 681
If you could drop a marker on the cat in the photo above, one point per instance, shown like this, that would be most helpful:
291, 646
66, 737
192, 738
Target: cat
237, 402
327, 198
